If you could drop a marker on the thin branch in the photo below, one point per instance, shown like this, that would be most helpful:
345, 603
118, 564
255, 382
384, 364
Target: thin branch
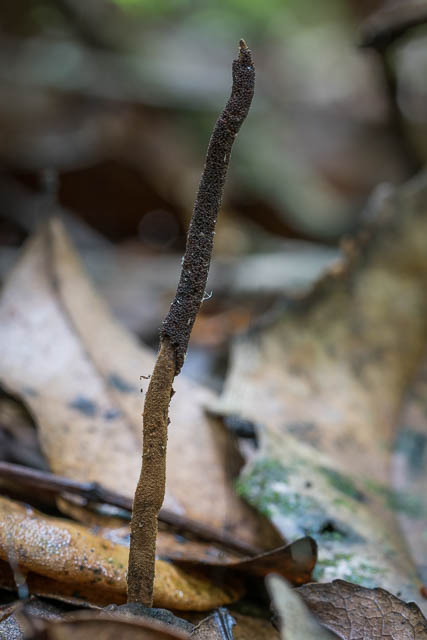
384, 27
380, 32
96, 493
176, 331
396, 120
99, 23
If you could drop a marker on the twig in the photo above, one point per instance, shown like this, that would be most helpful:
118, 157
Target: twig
386, 26
99, 23
396, 120
94, 492
176, 331
380, 32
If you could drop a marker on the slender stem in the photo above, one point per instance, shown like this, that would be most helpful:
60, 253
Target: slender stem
176, 331
150, 490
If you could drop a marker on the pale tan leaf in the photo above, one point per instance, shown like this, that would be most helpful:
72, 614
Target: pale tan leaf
324, 382
79, 374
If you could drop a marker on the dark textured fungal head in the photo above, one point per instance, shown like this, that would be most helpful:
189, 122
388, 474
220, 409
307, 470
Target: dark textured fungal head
191, 288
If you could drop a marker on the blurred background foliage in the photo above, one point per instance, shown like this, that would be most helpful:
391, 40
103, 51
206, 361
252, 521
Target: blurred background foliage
107, 109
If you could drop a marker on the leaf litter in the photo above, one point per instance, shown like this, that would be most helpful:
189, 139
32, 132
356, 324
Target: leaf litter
324, 382
79, 373
343, 610
73, 371
66, 558
327, 402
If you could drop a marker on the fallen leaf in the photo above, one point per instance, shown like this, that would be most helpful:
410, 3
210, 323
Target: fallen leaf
296, 621
61, 557
10, 628
250, 628
246, 627
18, 438
79, 373
353, 612
84, 625
218, 626
324, 382
171, 546
295, 562
175, 547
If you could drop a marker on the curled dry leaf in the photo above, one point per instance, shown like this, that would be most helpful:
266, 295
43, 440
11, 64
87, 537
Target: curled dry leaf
60, 558
296, 621
324, 382
352, 611
84, 625
79, 373
295, 562
171, 546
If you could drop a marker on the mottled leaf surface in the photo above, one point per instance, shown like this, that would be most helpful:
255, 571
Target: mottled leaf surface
59, 557
354, 612
79, 373
324, 382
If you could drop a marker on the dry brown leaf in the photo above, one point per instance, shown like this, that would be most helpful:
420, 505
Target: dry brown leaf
18, 438
171, 546
66, 558
354, 612
295, 562
79, 374
175, 547
84, 625
246, 627
218, 626
296, 621
10, 629
250, 628
324, 382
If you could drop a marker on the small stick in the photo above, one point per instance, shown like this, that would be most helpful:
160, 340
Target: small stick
379, 33
384, 27
176, 329
94, 492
